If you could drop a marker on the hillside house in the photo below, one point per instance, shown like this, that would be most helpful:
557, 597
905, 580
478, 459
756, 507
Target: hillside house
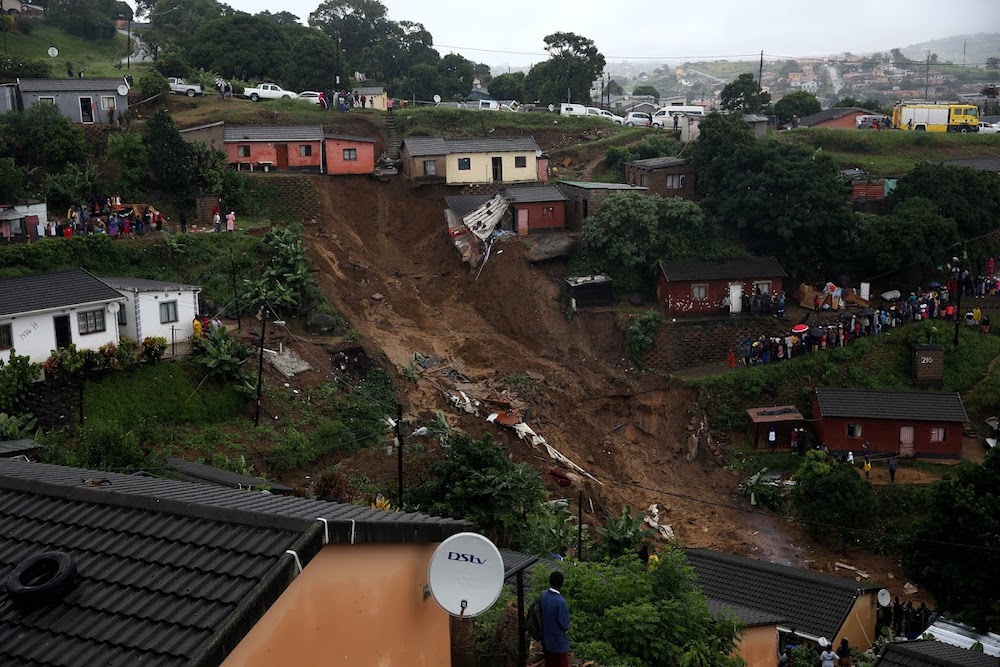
907, 423
757, 644
376, 93
156, 308
537, 208
473, 161
51, 311
694, 287
843, 118
667, 176
83, 101
211, 134
584, 198
812, 604
176, 573
24, 222
932, 653
280, 147
349, 154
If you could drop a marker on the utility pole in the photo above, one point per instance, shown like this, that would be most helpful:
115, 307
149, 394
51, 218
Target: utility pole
964, 44
927, 77
128, 50
236, 293
262, 314
399, 456
961, 288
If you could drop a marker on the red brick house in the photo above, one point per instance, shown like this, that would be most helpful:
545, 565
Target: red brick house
693, 287
537, 208
908, 423
667, 176
836, 117
275, 147
349, 155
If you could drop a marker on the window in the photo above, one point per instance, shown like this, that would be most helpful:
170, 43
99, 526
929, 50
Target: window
305, 150
548, 212
643, 180
854, 430
764, 286
430, 167
352, 154
91, 321
243, 150
520, 162
464, 164
699, 292
47, 100
675, 181
107, 103
168, 312
122, 318
937, 433
6, 337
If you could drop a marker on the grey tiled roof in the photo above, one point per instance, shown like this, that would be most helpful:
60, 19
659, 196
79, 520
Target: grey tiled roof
811, 602
515, 561
929, 653
980, 163
370, 90
597, 185
424, 146
68, 85
16, 447
530, 194
199, 473
913, 405
746, 615
659, 162
745, 268
273, 133
58, 289
144, 285
463, 205
348, 137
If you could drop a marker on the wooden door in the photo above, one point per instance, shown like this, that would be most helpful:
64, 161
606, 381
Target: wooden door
86, 110
498, 170
282, 151
522, 222
906, 441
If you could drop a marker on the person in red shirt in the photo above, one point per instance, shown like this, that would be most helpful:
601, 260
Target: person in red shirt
731, 359
68, 231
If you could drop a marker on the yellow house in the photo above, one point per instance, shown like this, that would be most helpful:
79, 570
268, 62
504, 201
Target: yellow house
374, 95
812, 605
758, 641
473, 161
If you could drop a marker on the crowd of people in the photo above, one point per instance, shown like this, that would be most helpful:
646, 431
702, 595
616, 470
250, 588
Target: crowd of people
103, 215
344, 100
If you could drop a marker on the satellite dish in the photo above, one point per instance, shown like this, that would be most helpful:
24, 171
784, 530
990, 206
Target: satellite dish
552, 107
123, 89
465, 574
437, 99
53, 52
884, 598
114, 307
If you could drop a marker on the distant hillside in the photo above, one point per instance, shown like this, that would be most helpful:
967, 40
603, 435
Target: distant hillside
978, 48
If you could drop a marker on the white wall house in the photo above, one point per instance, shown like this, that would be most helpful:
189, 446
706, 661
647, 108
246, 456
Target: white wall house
41, 313
156, 308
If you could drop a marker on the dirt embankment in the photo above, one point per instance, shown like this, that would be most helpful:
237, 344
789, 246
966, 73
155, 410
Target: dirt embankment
386, 262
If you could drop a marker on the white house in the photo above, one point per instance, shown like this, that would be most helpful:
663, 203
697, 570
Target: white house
44, 312
156, 308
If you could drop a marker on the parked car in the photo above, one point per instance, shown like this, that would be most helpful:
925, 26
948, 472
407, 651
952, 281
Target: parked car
638, 119
180, 87
310, 96
988, 128
268, 91
618, 120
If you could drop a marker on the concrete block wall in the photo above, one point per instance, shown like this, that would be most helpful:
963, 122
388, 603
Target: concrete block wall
688, 343
293, 197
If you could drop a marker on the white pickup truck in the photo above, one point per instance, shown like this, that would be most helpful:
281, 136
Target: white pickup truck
181, 87
269, 91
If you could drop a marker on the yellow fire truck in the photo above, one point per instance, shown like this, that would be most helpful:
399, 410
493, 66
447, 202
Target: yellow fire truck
944, 117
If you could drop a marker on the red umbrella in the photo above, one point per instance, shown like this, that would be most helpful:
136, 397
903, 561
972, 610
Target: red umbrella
800, 328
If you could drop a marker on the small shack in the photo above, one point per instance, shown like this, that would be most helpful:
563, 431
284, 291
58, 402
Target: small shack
590, 291
783, 419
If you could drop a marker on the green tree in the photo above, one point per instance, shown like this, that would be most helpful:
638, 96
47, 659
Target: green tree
241, 46
720, 136
574, 64
73, 185
968, 196
744, 95
956, 552
41, 137
152, 85
615, 88
314, 64
647, 90
422, 82
356, 25
171, 166
127, 157
11, 181
456, 74
832, 499
173, 63
476, 481
175, 23
913, 236
508, 86
800, 103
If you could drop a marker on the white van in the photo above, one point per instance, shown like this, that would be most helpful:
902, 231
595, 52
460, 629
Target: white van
573, 109
665, 116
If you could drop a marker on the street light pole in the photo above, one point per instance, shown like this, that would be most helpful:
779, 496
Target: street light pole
128, 50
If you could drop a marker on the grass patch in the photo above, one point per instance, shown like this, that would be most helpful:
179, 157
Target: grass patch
750, 461
435, 122
97, 59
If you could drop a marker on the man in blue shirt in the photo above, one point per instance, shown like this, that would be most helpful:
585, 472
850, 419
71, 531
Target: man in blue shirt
555, 623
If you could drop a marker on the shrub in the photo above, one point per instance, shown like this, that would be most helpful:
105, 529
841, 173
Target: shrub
153, 84
335, 487
15, 427
830, 493
16, 376
641, 335
128, 353
153, 348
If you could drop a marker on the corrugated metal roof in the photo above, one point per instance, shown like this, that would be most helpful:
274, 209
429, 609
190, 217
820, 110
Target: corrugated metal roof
533, 193
202, 127
273, 133
658, 162
930, 653
962, 635
911, 405
59, 289
744, 268
67, 84
811, 602
145, 285
515, 561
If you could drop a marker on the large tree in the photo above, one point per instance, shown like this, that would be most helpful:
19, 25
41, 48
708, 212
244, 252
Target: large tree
720, 136
744, 95
456, 74
647, 90
41, 137
912, 239
241, 46
574, 64
829, 493
356, 25
314, 66
11, 181
968, 196
800, 103
171, 164
508, 87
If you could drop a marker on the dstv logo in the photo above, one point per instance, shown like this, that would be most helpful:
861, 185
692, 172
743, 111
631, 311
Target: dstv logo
466, 558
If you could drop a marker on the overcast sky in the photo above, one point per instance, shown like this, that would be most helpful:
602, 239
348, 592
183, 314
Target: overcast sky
684, 30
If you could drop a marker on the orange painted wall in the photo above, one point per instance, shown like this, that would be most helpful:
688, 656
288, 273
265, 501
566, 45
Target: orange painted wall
859, 628
353, 605
758, 646
336, 164
261, 151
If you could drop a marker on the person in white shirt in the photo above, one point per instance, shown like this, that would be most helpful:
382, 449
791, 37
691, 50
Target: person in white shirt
828, 658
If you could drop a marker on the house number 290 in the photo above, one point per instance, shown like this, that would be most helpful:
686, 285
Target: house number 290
927, 360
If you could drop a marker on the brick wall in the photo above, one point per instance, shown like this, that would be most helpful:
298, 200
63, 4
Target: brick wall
292, 198
687, 343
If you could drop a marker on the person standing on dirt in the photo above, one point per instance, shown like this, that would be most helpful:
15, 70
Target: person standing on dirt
892, 469
555, 623
868, 468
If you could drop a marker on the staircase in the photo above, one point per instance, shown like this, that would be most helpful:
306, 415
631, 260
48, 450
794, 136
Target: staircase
392, 150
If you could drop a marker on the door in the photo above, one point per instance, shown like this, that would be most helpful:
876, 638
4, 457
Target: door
86, 110
498, 170
906, 441
64, 336
282, 150
736, 297
522, 222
